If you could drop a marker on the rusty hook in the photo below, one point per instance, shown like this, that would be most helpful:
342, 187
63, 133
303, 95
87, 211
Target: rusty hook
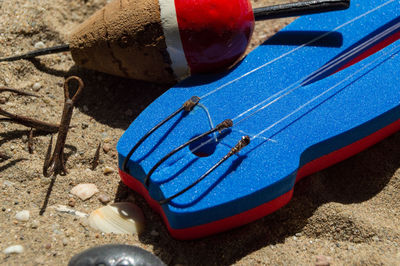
55, 164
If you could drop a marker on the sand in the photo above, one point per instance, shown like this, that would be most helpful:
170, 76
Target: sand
347, 214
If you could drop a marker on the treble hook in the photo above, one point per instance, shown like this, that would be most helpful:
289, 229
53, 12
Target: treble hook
55, 164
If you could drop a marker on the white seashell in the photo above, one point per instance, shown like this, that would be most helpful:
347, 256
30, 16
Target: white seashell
108, 170
40, 45
16, 249
22, 216
65, 209
84, 191
118, 218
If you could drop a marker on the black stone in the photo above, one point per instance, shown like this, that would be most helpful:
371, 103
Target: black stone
115, 255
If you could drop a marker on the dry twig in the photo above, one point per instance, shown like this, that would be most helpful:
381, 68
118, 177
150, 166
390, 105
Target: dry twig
23, 120
96, 157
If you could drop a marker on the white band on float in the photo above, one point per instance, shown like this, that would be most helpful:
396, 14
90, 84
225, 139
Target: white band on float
173, 40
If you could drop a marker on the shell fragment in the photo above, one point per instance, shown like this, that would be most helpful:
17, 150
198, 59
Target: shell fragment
118, 218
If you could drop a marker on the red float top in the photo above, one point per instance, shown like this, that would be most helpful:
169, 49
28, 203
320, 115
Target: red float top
214, 33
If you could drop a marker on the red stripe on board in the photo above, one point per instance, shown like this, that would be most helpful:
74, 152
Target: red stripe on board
376, 48
214, 33
269, 207
213, 227
348, 151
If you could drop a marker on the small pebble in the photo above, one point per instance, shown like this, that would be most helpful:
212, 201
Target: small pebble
22, 216
16, 249
106, 148
108, 170
8, 183
35, 224
71, 202
322, 260
84, 191
40, 45
3, 100
104, 198
24, 138
65, 241
104, 135
48, 246
154, 233
36, 86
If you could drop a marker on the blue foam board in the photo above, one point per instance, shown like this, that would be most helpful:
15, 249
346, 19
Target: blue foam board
303, 109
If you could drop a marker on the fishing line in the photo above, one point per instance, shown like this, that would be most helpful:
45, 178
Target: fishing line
297, 48
246, 139
202, 106
323, 93
331, 65
320, 72
286, 91
312, 74
302, 106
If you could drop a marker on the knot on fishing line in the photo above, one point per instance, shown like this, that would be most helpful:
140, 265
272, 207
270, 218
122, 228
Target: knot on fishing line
191, 103
224, 125
240, 145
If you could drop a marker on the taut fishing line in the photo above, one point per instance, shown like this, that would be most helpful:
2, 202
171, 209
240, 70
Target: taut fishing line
323, 70
305, 104
288, 90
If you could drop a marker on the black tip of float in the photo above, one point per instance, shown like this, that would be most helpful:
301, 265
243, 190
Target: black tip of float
39, 52
299, 9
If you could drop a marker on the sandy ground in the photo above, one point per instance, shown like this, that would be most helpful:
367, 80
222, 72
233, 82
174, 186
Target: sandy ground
348, 214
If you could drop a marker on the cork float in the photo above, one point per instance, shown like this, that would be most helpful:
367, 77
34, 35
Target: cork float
164, 41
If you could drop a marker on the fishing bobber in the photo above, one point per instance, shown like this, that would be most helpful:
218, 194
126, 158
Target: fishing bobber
163, 40
166, 40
